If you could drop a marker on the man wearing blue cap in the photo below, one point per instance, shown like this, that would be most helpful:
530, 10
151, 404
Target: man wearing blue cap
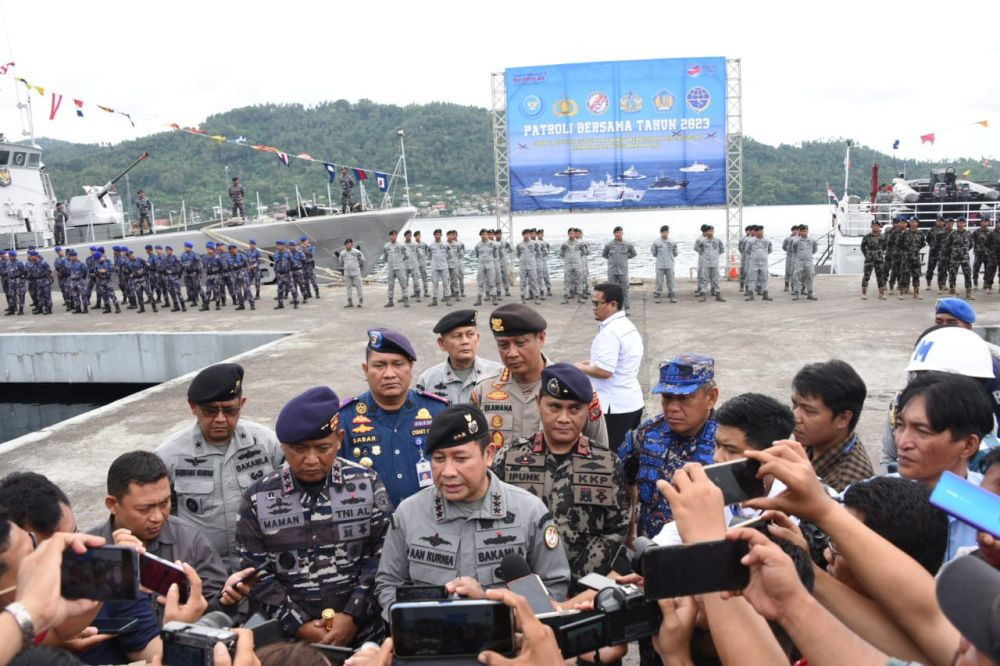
683, 433
253, 266
78, 283
41, 277
241, 280
315, 529
192, 266
581, 482
139, 278
227, 276
283, 276
91, 278
152, 275
4, 280
456, 531
61, 267
298, 259
121, 268
105, 290
309, 265
387, 425
17, 275
170, 271
214, 291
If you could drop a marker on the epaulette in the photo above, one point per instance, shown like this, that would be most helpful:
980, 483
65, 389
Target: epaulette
348, 401
656, 420
594, 409
544, 519
432, 396
345, 463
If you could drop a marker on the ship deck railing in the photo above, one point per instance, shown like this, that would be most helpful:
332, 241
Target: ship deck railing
855, 219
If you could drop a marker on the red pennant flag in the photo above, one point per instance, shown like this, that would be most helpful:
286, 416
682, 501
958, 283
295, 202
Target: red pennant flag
175, 126
3, 70
79, 107
306, 156
56, 102
984, 123
283, 157
927, 138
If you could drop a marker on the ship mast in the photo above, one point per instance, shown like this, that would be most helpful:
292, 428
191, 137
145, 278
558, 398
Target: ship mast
847, 168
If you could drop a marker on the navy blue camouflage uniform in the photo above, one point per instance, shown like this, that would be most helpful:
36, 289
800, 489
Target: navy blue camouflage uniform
283, 276
191, 263
253, 269
105, 270
170, 272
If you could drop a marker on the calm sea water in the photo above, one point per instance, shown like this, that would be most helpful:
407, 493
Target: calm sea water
641, 228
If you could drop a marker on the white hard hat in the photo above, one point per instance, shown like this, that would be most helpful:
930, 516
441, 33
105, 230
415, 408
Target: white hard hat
952, 349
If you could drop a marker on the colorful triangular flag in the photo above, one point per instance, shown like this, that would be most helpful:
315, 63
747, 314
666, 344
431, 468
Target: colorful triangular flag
3, 70
240, 139
984, 123
306, 156
927, 138
331, 170
283, 157
105, 108
967, 173
218, 138
56, 103
359, 175
40, 90
382, 180
127, 116
79, 107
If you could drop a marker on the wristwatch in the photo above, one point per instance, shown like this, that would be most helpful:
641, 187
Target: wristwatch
23, 619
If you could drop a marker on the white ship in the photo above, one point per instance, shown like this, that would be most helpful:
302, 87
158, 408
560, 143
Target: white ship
607, 191
632, 173
668, 183
572, 171
695, 167
540, 189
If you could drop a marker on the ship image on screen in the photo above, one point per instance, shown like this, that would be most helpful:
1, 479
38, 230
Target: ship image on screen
614, 135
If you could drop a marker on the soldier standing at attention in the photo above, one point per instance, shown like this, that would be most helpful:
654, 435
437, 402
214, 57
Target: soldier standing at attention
873, 250
192, 265
283, 276
210, 265
422, 255
508, 397
298, 271
77, 283
585, 251
944, 255
486, 253
454, 378
213, 461
913, 242
618, 252
683, 433
934, 237
980, 253
527, 266
536, 251
412, 264
992, 258
105, 290
544, 249
139, 275
805, 248
665, 250
572, 268
315, 528
959, 245
894, 253
253, 267
395, 256
789, 257
41, 274
60, 218
171, 268
709, 249
61, 266
456, 532
346, 190
580, 482
455, 266
89, 261
504, 274
240, 278
353, 263
145, 207
744, 255
491, 237
387, 425
309, 266
236, 195
439, 258
758, 250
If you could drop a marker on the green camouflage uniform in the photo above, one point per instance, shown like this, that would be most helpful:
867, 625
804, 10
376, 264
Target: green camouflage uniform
873, 250
960, 242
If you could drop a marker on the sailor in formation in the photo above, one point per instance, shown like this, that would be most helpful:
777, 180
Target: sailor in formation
571, 252
352, 260
618, 252
913, 242
439, 254
758, 252
485, 252
423, 255
61, 267
585, 250
665, 251
544, 249
960, 243
412, 263
254, 257
504, 256
786, 247
456, 376
395, 269
934, 236
491, 236
980, 251
527, 265
709, 249
744, 255
873, 251
298, 260
309, 265
804, 248
105, 270
39, 275
283, 277
455, 267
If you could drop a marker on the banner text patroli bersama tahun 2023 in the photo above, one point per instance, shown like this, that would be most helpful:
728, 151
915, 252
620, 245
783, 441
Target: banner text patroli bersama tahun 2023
606, 135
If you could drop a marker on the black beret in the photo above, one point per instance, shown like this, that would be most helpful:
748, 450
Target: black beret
388, 341
456, 425
665, 228
453, 320
515, 319
217, 383
566, 382
308, 416
704, 228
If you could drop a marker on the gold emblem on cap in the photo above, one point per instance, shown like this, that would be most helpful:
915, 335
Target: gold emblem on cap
366, 462
473, 426
236, 387
496, 323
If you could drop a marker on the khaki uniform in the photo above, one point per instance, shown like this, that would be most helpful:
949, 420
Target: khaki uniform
442, 381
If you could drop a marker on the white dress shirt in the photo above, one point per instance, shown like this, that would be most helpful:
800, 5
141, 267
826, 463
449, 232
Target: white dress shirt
617, 349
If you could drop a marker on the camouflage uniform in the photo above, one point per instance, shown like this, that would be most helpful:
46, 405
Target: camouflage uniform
145, 207
396, 257
253, 269
42, 277
78, 285
618, 253
456, 269
992, 258
236, 195
309, 269
526, 262
213, 278
170, 269
121, 267
346, 188
913, 242
61, 265
934, 238
227, 277
756, 250
191, 263
980, 253
897, 258
89, 289
242, 280
585, 492
318, 550
105, 290
139, 279
741, 246
959, 244
283, 276
155, 277
944, 259
873, 250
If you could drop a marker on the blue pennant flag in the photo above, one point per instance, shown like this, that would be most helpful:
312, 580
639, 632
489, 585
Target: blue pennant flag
331, 170
382, 180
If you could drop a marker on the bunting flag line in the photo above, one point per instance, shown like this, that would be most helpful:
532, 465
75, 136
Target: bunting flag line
105, 108
3, 69
56, 103
306, 156
40, 90
122, 113
282, 157
359, 175
382, 180
331, 170
831, 197
240, 139
79, 107
984, 123
927, 138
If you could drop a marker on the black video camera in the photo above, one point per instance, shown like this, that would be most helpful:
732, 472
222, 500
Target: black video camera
622, 615
192, 644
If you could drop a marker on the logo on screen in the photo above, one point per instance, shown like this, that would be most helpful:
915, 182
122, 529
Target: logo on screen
694, 71
698, 99
598, 103
631, 103
664, 100
565, 107
531, 105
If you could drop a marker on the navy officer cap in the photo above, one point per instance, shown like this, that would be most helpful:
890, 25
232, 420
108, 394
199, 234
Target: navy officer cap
388, 341
456, 425
515, 319
566, 382
455, 319
308, 416
683, 375
217, 383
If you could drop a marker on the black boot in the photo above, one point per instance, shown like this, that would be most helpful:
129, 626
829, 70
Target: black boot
106, 310
433, 303
142, 308
295, 305
153, 305
252, 306
240, 307
279, 306
118, 309
350, 304
217, 306
204, 307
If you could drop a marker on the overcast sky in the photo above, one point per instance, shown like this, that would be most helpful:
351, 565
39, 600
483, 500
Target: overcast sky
845, 69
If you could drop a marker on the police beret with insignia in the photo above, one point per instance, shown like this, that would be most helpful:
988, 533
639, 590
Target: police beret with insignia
515, 319
456, 425
453, 320
217, 383
311, 415
685, 374
388, 341
566, 382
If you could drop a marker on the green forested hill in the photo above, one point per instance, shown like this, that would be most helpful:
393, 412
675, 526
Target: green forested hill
447, 147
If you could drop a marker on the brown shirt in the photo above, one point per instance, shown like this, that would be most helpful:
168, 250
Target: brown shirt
842, 465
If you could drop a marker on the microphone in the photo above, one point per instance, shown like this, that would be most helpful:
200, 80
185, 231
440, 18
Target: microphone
640, 544
512, 567
514, 570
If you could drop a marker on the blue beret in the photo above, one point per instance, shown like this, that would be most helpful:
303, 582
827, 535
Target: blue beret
957, 308
12, 253
252, 242
98, 254
101, 249
291, 242
157, 247
71, 252
280, 243
456, 425
169, 248
93, 248
388, 341
210, 244
303, 238
232, 247
311, 415
32, 253
188, 244
217, 383
566, 382
128, 251
58, 248
685, 374
149, 247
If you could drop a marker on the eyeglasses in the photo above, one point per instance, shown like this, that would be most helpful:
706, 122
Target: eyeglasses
597, 304
215, 411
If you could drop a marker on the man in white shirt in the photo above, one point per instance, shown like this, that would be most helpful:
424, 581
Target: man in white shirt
615, 357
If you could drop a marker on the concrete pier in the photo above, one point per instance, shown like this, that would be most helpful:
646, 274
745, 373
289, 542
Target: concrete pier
758, 346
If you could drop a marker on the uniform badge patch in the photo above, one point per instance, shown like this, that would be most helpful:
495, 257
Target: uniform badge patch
497, 438
497, 395
551, 537
361, 429
423, 414
361, 408
496, 421
360, 418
